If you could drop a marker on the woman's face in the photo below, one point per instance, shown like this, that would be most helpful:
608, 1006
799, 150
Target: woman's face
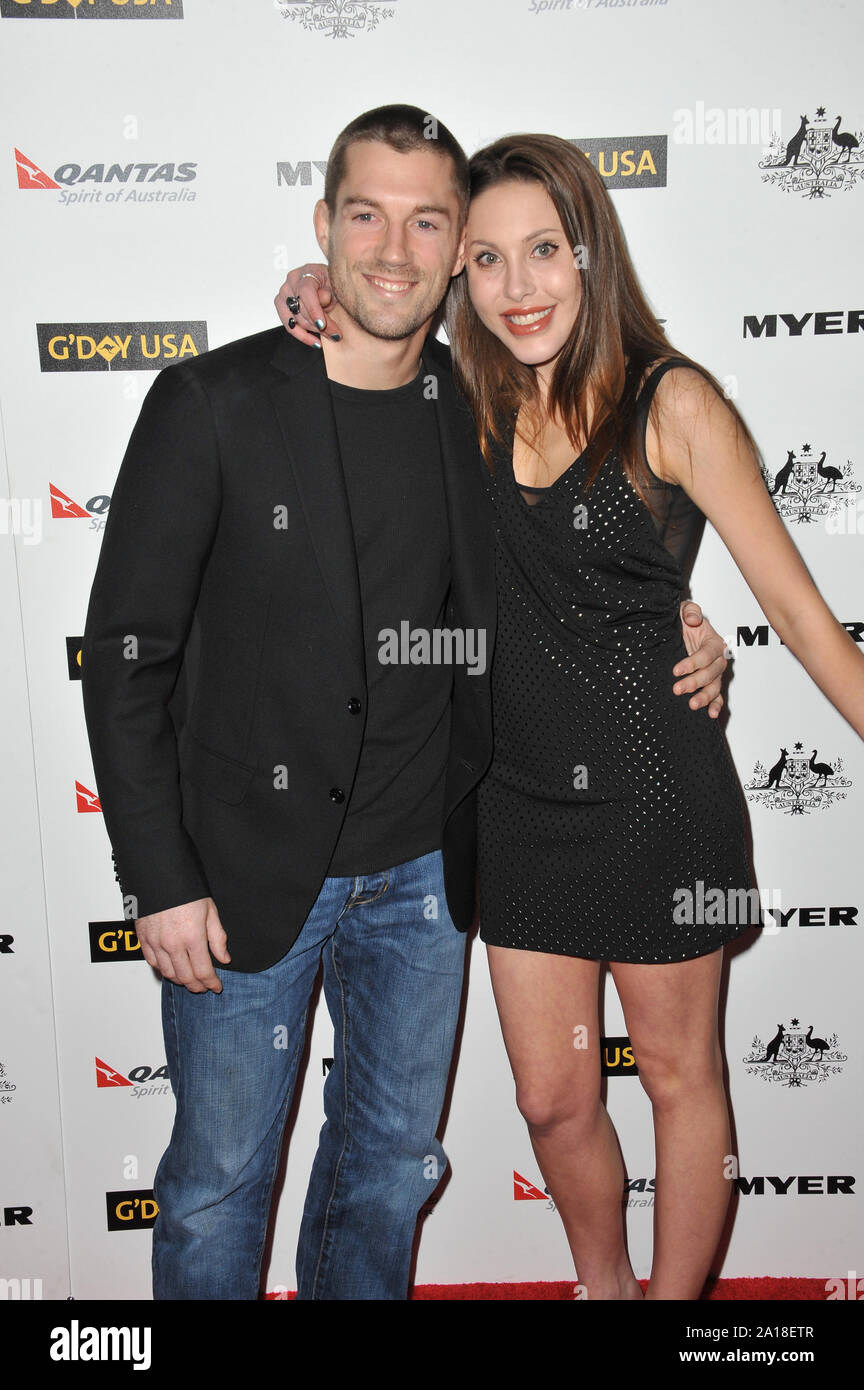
522, 276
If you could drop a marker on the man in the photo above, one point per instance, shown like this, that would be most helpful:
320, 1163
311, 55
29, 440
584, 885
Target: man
278, 791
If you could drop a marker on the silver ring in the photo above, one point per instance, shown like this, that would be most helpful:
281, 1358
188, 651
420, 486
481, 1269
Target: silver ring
308, 274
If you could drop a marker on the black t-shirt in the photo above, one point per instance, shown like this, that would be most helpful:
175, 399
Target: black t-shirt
391, 459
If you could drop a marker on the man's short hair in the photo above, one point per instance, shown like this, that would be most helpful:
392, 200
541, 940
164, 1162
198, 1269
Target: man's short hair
403, 128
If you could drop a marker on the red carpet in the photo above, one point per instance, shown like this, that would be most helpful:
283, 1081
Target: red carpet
718, 1290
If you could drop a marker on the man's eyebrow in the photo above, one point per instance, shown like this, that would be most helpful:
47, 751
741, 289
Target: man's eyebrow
356, 200
542, 231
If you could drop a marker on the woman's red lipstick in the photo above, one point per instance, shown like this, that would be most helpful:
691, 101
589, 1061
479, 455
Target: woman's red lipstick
538, 314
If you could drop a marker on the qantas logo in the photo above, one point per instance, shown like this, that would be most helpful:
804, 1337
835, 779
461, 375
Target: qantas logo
107, 1076
525, 1191
86, 800
30, 175
64, 507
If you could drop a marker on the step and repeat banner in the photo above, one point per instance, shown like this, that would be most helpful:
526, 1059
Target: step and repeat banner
160, 163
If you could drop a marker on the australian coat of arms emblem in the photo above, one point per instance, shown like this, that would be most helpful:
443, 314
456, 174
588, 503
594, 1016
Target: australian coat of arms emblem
336, 19
821, 158
798, 782
794, 1056
806, 488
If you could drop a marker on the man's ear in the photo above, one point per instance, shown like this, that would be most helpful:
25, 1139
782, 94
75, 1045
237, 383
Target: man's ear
459, 262
321, 223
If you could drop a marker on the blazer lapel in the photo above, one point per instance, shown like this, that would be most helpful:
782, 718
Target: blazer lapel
472, 539
303, 406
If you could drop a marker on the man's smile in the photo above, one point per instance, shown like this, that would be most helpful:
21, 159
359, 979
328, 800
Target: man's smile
387, 286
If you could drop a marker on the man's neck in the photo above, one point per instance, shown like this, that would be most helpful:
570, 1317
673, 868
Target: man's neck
369, 363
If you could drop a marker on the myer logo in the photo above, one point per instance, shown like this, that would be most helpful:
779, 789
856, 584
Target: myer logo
91, 9
131, 1211
118, 347
628, 161
810, 1185
301, 172
761, 635
821, 323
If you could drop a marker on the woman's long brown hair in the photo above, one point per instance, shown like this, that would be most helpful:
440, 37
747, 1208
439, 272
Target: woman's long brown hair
613, 341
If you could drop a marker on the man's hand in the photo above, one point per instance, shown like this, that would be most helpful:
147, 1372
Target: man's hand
311, 285
175, 942
706, 663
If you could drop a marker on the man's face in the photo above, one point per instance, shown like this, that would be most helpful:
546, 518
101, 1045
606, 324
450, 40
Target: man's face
395, 238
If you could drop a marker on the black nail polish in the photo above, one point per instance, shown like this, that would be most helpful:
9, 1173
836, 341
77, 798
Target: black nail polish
292, 323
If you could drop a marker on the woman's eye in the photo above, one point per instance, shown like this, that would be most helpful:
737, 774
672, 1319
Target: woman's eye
482, 258
547, 248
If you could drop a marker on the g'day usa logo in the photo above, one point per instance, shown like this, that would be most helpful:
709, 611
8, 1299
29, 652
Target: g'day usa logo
91, 9
627, 161
106, 181
118, 347
131, 1211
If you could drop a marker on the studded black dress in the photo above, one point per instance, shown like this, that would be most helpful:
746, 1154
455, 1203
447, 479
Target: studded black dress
607, 795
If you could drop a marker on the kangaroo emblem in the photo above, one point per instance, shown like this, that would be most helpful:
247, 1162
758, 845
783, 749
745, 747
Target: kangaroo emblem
774, 1046
776, 772
783, 475
793, 149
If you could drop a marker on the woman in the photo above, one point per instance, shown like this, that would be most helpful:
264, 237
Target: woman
605, 799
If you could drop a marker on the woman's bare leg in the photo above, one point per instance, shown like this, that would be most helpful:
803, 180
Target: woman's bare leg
542, 1001
671, 1013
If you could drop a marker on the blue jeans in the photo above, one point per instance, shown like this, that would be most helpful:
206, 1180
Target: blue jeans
393, 964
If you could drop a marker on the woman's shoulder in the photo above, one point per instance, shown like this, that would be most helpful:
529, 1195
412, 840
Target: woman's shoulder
677, 372
687, 396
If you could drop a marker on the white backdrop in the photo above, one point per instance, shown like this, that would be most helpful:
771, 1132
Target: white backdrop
226, 112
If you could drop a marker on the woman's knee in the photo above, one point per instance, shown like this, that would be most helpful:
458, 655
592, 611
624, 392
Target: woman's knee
545, 1107
669, 1076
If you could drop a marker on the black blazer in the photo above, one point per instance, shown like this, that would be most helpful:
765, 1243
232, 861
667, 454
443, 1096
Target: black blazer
223, 648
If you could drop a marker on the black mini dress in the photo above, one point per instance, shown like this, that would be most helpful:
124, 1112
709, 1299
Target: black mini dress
608, 801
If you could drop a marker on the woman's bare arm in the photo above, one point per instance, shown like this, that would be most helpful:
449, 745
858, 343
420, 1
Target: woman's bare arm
699, 445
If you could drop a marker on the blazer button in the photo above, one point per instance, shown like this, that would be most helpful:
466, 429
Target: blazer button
337, 794
354, 705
